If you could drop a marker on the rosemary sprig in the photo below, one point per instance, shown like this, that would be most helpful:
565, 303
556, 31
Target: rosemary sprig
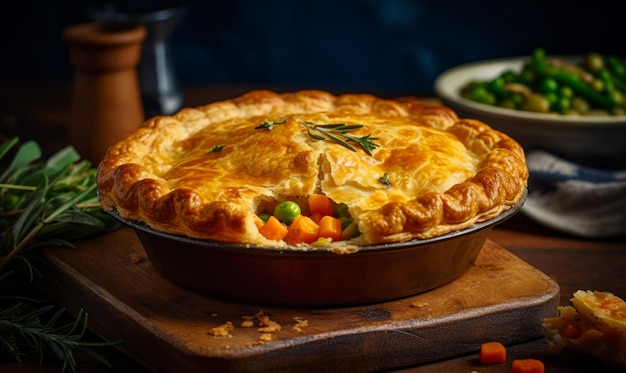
43, 204
337, 132
24, 320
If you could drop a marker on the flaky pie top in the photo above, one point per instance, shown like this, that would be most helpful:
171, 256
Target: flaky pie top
204, 172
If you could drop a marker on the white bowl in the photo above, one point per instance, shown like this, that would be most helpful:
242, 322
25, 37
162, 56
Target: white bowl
596, 141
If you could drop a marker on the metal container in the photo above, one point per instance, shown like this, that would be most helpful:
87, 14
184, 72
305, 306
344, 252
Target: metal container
316, 277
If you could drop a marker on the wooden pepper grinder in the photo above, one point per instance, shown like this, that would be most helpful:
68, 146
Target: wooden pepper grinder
106, 97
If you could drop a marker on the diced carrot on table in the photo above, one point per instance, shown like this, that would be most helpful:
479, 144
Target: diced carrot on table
527, 366
492, 353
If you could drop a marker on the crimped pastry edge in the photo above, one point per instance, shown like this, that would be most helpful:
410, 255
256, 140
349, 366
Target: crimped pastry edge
127, 187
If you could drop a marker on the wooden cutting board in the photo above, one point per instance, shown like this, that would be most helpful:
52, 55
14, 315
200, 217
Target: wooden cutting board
171, 329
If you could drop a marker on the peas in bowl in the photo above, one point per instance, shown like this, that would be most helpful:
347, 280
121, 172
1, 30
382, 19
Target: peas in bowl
594, 85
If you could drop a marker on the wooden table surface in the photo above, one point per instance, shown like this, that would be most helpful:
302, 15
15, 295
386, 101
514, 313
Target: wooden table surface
41, 113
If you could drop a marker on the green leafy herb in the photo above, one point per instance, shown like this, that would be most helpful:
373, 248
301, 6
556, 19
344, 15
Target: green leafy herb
24, 321
268, 125
217, 148
43, 204
337, 132
384, 180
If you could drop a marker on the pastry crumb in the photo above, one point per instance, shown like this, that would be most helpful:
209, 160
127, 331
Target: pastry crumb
268, 326
247, 323
136, 258
300, 323
266, 337
223, 330
419, 304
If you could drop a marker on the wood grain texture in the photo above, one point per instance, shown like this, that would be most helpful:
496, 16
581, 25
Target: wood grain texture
168, 328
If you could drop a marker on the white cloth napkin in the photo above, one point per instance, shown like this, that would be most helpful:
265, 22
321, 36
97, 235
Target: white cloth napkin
574, 199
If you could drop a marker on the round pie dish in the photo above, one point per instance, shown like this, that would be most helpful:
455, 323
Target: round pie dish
595, 141
405, 186
315, 277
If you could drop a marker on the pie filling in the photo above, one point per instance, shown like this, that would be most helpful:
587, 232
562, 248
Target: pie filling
316, 220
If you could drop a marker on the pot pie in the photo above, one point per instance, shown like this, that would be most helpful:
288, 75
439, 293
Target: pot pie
396, 169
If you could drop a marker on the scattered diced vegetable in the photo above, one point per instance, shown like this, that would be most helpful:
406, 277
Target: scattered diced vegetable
302, 230
316, 217
341, 211
320, 204
527, 366
322, 223
330, 227
492, 353
273, 229
287, 211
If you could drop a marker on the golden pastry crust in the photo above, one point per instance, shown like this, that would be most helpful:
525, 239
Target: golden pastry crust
205, 172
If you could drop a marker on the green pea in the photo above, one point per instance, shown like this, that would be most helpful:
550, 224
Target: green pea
341, 210
287, 211
482, 95
594, 62
509, 76
566, 91
597, 85
616, 96
527, 76
536, 103
517, 98
562, 104
264, 216
580, 105
548, 85
552, 98
496, 86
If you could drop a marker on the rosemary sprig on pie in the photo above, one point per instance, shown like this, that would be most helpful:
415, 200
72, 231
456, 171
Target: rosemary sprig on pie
337, 132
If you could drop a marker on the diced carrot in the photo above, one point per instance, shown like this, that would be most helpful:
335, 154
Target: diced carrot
571, 332
302, 230
316, 217
527, 366
273, 229
492, 353
320, 203
258, 221
330, 227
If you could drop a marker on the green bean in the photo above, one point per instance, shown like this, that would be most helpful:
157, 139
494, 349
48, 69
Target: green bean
582, 89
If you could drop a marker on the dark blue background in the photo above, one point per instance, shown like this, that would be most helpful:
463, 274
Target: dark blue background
363, 45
